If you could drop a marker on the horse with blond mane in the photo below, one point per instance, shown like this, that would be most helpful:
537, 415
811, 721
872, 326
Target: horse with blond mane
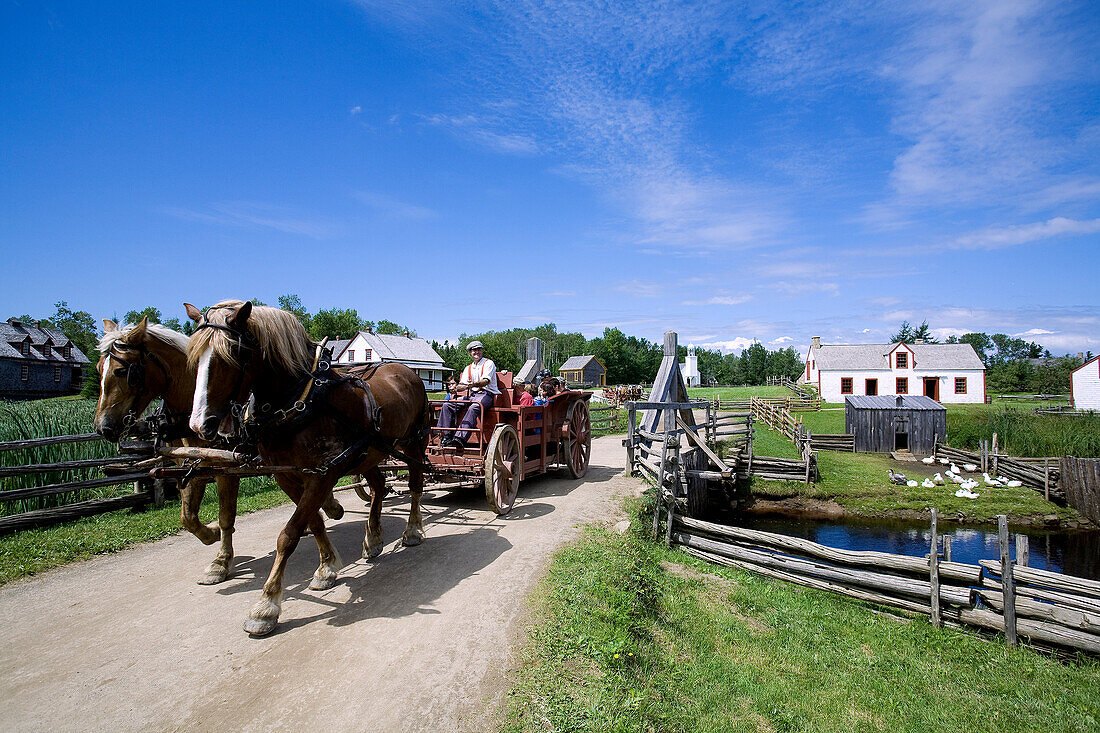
308, 416
143, 362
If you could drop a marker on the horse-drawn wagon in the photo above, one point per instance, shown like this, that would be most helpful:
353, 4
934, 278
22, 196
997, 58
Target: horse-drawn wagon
512, 442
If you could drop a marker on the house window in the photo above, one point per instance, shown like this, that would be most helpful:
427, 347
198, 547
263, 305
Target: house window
25, 348
903, 385
960, 385
846, 385
366, 354
903, 360
351, 354
57, 374
46, 350
25, 372
871, 387
67, 352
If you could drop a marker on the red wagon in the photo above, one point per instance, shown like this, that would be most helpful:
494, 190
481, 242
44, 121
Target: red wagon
513, 442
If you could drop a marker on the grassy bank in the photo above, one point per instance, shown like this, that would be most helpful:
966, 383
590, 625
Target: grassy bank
36, 550
737, 393
629, 636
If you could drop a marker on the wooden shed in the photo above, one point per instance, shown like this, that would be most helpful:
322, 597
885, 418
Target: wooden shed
585, 370
882, 424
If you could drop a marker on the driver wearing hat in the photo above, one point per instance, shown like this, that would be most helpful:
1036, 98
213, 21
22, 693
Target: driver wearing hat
479, 380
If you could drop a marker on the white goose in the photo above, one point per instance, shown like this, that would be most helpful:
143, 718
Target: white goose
927, 483
970, 484
943, 461
956, 478
954, 468
912, 484
1014, 484
966, 494
989, 480
938, 480
929, 460
970, 467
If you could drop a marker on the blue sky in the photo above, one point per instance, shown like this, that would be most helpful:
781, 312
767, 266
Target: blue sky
731, 171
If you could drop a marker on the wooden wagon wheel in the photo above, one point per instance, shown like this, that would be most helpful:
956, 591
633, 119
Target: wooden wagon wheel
578, 439
502, 469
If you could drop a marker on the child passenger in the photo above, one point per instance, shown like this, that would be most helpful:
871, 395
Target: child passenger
527, 396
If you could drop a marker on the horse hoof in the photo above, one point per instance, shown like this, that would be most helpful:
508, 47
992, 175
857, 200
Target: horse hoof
372, 551
322, 582
260, 626
336, 511
412, 537
213, 577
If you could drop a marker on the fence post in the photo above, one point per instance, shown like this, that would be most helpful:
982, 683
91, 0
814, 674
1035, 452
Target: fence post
947, 548
631, 433
994, 454
1022, 551
1008, 588
1046, 478
934, 571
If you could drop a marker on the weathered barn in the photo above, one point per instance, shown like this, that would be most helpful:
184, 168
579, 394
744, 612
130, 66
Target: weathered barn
883, 424
37, 362
585, 370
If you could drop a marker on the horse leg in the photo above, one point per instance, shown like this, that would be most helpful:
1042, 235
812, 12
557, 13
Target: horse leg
372, 543
414, 531
332, 507
191, 494
325, 575
228, 488
265, 614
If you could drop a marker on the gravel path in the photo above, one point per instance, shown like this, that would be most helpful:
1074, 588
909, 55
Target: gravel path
419, 639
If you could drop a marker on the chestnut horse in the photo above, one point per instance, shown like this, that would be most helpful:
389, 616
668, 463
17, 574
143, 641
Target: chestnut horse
137, 365
323, 422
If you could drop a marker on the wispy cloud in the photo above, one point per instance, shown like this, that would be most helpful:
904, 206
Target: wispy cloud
355, 110
479, 130
392, 207
1000, 237
641, 288
254, 215
720, 300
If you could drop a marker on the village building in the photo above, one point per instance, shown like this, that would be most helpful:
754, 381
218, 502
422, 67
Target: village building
38, 362
947, 373
367, 347
883, 424
587, 371
690, 368
1084, 385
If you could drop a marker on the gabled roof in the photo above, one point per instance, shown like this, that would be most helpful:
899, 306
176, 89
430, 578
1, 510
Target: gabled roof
873, 356
577, 362
39, 336
1093, 360
409, 350
885, 402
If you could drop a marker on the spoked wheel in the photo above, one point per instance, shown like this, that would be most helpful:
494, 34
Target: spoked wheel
502, 469
578, 439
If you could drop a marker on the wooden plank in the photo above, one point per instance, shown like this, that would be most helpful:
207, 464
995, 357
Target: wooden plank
53, 489
701, 444
55, 440
968, 574
56, 515
1068, 617
934, 571
65, 465
1007, 587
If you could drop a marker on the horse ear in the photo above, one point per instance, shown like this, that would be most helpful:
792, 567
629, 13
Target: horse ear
109, 326
239, 318
137, 334
193, 313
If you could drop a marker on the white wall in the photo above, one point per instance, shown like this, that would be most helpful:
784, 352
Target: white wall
1086, 386
975, 391
358, 347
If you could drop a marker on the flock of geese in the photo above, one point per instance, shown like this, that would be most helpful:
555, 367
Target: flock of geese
953, 474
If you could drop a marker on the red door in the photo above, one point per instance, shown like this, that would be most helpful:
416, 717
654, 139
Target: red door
871, 388
932, 388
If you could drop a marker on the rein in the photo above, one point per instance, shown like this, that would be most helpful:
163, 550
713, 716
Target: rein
135, 374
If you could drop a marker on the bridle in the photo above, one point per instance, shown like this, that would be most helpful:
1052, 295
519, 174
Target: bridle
246, 344
135, 373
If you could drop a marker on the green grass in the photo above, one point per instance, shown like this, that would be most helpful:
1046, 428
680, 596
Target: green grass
36, 550
630, 636
1021, 432
738, 393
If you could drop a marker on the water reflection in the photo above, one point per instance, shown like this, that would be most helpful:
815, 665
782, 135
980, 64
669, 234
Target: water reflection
1073, 553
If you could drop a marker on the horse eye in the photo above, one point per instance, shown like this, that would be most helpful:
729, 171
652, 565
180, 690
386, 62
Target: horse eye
120, 372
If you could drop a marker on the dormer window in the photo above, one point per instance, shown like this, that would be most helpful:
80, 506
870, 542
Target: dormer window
67, 352
25, 348
46, 350
902, 360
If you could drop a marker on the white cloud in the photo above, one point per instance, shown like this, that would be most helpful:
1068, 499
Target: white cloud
806, 286
782, 340
720, 300
254, 215
559, 294
355, 110
390, 206
641, 288
735, 344
1033, 332
866, 330
479, 130
999, 237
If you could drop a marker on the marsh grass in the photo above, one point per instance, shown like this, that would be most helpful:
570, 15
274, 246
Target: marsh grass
630, 636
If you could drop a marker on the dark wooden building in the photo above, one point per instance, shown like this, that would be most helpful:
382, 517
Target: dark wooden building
584, 370
37, 362
882, 424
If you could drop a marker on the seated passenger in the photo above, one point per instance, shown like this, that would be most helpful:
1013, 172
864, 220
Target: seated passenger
452, 388
479, 381
527, 396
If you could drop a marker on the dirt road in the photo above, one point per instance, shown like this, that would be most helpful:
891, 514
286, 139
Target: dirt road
419, 639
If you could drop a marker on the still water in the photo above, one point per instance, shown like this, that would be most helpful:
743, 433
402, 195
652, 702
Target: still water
1074, 553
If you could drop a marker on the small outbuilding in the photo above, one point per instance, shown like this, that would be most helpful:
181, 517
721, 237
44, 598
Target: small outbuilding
588, 371
1084, 385
883, 424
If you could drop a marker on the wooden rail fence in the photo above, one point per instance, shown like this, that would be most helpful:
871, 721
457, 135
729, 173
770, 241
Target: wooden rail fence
1044, 608
117, 470
1041, 474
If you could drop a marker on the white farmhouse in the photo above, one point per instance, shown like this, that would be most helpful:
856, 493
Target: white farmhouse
367, 347
948, 373
1084, 385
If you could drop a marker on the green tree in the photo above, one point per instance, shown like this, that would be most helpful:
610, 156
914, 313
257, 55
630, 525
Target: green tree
153, 314
904, 334
924, 333
981, 342
293, 304
391, 328
336, 323
754, 363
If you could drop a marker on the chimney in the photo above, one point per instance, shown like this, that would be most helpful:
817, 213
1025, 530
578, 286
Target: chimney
407, 334
815, 342
918, 341
15, 322
370, 329
1081, 355
898, 400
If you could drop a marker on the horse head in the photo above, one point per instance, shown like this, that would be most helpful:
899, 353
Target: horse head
127, 383
222, 353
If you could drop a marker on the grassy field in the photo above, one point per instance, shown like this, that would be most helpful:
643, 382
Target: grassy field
738, 393
630, 636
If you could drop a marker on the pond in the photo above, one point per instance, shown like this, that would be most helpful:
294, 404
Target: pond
1074, 553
